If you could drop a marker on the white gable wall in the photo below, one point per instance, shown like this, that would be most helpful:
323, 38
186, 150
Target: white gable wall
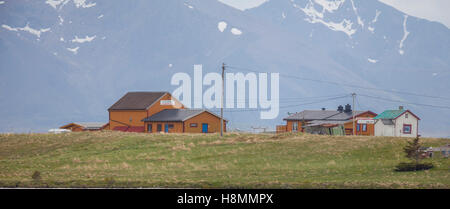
411, 120
383, 130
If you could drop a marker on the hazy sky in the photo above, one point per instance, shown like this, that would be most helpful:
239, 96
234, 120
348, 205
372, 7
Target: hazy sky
435, 10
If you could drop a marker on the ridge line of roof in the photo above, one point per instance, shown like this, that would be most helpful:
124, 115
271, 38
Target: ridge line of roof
196, 112
132, 92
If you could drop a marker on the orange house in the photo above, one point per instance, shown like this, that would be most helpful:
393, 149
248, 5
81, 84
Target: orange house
364, 123
127, 113
281, 129
183, 121
84, 126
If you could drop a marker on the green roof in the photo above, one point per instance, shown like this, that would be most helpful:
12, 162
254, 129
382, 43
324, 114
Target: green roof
389, 114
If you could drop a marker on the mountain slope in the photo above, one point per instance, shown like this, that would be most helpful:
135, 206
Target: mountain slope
81, 56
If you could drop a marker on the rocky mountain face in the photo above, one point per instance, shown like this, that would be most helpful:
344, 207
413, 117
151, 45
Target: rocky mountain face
69, 60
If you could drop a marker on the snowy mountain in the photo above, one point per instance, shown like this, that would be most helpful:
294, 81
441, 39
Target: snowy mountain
69, 60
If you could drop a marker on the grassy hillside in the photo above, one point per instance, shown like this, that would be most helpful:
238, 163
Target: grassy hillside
113, 159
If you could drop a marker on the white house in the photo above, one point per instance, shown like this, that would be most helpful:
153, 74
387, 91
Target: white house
401, 123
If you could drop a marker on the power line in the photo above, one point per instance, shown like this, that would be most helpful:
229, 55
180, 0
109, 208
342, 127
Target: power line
412, 103
288, 106
343, 84
290, 100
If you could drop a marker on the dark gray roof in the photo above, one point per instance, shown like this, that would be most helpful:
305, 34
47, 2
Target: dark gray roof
312, 115
333, 115
344, 115
174, 115
137, 100
321, 122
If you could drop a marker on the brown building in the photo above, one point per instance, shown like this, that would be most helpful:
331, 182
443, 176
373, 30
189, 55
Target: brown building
364, 124
85, 126
183, 121
321, 121
127, 113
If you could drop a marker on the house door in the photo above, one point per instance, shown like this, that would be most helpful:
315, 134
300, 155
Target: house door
166, 128
149, 128
204, 128
159, 128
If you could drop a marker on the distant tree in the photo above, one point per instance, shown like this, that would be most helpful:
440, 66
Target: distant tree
412, 150
414, 153
36, 176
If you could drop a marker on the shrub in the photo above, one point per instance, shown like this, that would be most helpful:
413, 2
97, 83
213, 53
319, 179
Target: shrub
413, 166
412, 151
36, 176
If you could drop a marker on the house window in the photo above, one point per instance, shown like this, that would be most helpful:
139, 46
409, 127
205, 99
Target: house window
406, 115
364, 127
159, 128
170, 126
406, 129
194, 125
149, 128
358, 128
294, 126
131, 119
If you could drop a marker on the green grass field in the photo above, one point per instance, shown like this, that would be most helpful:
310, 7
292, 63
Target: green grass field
114, 159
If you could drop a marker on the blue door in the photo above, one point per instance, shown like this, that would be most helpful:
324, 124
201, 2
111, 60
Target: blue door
204, 128
166, 128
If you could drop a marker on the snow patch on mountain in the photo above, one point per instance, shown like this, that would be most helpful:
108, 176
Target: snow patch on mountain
2, 2
330, 6
189, 6
27, 28
82, 40
7, 27
74, 50
222, 25
236, 31
372, 60
371, 28
314, 16
405, 35
83, 4
100, 16
61, 20
54, 3
360, 21
377, 14
283, 15
61, 3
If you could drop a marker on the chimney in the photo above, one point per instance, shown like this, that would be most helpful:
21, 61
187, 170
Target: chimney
323, 108
348, 108
400, 107
340, 108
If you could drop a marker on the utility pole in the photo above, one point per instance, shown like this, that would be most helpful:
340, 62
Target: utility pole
353, 113
221, 100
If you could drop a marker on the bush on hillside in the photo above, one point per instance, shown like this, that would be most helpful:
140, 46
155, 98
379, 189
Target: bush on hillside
36, 176
413, 166
414, 153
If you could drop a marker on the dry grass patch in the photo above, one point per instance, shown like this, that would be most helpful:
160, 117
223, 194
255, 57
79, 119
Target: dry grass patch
237, 160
